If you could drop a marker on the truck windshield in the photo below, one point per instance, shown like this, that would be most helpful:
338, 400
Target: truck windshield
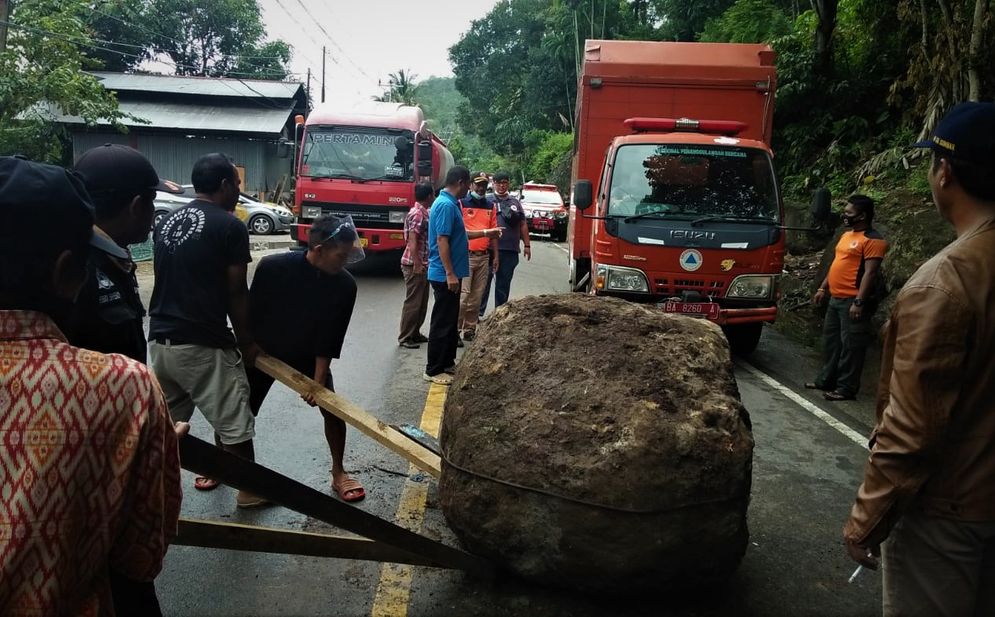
551, 198
358, 153
685, 180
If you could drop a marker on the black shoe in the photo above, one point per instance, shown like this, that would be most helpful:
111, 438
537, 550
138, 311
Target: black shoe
419, 338
409, 344
469, 335
836, 395
459, 342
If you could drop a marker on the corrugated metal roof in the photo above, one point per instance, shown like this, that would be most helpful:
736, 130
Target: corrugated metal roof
205, 86
233, 119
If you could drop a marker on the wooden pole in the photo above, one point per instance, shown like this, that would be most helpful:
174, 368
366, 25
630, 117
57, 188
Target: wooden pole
205, 459
368, 424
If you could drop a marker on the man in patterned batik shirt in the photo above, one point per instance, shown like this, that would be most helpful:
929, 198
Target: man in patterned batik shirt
88, 455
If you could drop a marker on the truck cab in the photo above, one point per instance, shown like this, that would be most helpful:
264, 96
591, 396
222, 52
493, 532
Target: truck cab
688, 216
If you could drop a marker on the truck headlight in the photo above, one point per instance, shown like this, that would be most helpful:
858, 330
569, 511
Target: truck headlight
612, 278
561, 215
396, 216
756, 286
311, 212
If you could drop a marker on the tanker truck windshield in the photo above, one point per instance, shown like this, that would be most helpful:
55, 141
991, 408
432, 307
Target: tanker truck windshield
687, 181
359, 154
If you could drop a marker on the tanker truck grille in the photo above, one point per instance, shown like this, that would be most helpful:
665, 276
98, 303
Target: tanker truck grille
377, 217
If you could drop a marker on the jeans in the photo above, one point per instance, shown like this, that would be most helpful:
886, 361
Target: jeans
442, 334
506, 269
844, 346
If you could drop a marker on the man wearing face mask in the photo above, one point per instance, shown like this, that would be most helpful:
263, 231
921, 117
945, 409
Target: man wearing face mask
851, 285
515, 234
478, 214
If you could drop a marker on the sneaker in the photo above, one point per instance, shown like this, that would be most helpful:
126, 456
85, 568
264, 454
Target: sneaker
469, 335
409, 344
443, 379
419, 338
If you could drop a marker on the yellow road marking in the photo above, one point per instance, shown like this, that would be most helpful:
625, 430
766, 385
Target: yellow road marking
394, 590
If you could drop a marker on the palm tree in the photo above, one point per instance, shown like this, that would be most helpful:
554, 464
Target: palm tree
401, 88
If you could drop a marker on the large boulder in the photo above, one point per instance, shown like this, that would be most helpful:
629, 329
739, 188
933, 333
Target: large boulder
598, 444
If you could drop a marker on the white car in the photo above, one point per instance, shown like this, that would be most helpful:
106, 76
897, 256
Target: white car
261, 218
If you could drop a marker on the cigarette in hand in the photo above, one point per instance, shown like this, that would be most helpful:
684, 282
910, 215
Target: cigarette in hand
853, 576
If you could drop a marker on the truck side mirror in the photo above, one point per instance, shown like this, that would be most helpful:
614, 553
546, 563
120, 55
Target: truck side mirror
425, 158
821, 207
583, 194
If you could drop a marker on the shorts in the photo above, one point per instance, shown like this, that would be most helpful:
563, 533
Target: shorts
260, 383
212, 380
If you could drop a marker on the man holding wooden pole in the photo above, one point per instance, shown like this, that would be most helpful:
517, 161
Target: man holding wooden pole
322, 295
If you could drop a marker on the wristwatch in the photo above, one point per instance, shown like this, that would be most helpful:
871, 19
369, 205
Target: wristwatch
858, 302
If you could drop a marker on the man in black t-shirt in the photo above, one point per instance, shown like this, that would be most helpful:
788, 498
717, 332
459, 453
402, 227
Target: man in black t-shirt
201, 259
300, 305
108, 313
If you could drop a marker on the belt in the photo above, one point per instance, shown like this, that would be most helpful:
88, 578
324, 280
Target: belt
167, 340
479, 252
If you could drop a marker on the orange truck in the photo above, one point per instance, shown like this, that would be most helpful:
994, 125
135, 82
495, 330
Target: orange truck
364, 160
673, 152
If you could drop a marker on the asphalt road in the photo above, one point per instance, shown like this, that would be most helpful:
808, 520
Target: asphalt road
806, 469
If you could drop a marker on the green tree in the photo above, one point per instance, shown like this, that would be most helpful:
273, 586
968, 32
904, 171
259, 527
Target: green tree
401, 88
748, 21
43, 72
264, 61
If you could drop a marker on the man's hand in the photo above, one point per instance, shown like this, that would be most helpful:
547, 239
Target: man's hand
865, 556
250, 352
418, 268
819, 297
495, 233
528, 252
452, 282
181, 428
308, 397
856, 312
494, 265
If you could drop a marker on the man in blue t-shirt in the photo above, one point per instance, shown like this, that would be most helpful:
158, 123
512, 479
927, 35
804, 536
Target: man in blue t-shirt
448, 262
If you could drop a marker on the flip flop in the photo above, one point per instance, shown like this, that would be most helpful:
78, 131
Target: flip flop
349, 490
837, 396
202, 483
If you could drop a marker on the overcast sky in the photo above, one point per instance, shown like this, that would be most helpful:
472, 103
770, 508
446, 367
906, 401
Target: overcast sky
368, 39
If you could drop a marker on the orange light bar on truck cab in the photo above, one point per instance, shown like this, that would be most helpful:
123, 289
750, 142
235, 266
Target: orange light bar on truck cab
667, 125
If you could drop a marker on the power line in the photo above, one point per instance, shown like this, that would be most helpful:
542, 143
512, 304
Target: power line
332, 41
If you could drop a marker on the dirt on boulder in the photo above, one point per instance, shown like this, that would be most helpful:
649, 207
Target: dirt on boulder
597, 444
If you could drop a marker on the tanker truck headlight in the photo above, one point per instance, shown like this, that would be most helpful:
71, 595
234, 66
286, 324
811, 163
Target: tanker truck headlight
311, 212
626, 279
561, 215
753, 286
396, 217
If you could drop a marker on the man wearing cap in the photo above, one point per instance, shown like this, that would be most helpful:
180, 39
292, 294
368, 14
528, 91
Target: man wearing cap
89, 463
478, 214
109, 311
515, 235
448, 262
323, 293
201, 259
929, 484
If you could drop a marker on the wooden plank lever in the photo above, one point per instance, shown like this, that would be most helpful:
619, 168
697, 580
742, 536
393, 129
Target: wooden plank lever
354, 415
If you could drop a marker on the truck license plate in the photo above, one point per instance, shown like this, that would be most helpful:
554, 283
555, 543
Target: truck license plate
708, 310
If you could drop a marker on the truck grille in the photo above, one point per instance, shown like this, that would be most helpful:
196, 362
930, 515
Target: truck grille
377, 217
674, 287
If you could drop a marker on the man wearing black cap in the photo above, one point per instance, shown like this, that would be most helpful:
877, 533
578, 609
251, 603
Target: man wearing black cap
478, 214
929, 484
89, 465
108, 314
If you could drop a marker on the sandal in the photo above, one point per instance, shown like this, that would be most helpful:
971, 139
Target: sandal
349, 490
245, 499
203, 483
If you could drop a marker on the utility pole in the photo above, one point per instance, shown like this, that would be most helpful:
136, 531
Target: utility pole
307, 91
5, 6
322, 73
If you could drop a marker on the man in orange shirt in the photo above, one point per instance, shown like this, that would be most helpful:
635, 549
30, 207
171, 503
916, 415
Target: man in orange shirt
851, 283
478, 215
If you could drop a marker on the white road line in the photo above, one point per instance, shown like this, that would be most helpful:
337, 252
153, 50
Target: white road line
802, 402
561, 247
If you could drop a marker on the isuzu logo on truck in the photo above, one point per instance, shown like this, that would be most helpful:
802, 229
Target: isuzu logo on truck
690, 234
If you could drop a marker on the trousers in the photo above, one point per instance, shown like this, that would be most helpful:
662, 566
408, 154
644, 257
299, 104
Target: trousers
442, 334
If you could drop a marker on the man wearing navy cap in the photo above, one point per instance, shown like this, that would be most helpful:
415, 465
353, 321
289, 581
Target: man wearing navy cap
109, 312
929, 484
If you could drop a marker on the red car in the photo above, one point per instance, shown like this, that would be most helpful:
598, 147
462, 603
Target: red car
544, 211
